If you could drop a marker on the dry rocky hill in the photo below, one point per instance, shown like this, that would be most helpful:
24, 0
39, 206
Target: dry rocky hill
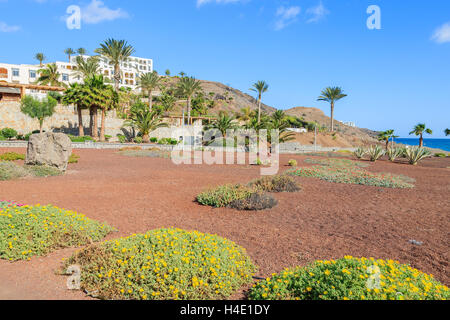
232, 101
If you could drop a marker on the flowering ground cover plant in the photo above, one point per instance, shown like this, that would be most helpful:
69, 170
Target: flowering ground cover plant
350, 172
344, 163
351, 279
164, 264
27, 231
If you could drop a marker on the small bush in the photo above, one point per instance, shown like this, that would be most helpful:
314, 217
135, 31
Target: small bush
280, 183
164, 264
9, 171
167, 141
43, 171
351, 279
12, 156
154, 140
360, 153
375, 153
416, 154
80, 139
292, 163
2, 138
138, 140
122, 138
222, 196
440, 155
8, 133
74, 158
255, 202
27, 231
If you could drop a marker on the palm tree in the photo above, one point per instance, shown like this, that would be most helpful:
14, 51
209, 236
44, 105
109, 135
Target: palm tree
168, 72
278, 121
75, 95
41, 58
69, 52
117, 51
187, 87
419, 130
260, 87
447, 132
386, 136
331, 95
38, 109
87, 68
144, 120
149, 82
245, 114
81, 51
182, 74
50, 76
222, 124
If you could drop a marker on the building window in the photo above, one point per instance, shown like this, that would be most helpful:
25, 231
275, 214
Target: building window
15, 72
32, 74
65, 77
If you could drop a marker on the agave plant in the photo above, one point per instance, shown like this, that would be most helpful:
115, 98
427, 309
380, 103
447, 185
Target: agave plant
416, 154
375, 153
394, 153
360, 153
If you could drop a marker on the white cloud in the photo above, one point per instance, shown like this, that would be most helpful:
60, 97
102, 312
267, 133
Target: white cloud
202, 2
97, 12
286, 16
317, 13
7, 28
442, 34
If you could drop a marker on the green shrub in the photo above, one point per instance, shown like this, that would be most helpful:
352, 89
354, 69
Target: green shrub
279, 183
416, 154
154, 140
29, 231
237, 197
80, 139
108, 137
138, 139
164, 264
351, 279
440, 155
375, 153
12, 156
292, 163
74, 158
2, 138
8, 133
122, 138
43, 171
353, 176
167, 141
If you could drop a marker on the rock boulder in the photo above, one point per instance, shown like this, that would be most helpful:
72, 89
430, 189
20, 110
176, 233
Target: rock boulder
51, 149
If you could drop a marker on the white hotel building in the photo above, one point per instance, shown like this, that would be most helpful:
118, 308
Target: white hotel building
25, 74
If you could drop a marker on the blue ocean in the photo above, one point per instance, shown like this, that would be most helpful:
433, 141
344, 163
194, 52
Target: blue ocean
443, 144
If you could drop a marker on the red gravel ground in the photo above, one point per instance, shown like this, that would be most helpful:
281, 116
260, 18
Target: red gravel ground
323, 221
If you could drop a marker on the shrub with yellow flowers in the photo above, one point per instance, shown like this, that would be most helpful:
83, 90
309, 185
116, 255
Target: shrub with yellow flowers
164, 264
351, 279
27, 231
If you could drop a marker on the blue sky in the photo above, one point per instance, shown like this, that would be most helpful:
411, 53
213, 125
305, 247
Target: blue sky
395, 77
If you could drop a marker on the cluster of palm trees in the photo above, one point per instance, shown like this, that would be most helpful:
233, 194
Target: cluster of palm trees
418, 130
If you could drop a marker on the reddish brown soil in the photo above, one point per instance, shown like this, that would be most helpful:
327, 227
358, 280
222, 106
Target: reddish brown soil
323, 221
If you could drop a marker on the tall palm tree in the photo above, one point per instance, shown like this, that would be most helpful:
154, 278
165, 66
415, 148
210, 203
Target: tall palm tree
260, 87
81, 51
149, 82
75, 95
187, 87
447, 132
386, 136
41, 58
87, 68
144, 120
69, 52
117, 51
420, 130
50, 76
331, 95
222, 124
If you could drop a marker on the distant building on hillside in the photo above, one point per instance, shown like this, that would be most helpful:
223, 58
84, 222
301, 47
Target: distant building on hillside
27, 74
349, 123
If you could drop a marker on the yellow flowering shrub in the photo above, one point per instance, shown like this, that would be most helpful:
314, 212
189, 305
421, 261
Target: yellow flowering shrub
27, 231
351, 279
164, 264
